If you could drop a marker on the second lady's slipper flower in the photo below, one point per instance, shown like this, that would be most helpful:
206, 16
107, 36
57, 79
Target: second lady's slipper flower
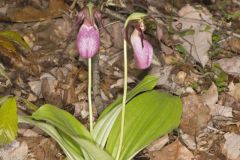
143, 50
88, 40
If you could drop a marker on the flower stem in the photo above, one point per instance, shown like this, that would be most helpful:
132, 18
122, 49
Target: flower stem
123, 100
89, 93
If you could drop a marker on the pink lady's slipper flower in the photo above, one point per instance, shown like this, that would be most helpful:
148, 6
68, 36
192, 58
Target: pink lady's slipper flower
88, 40
143, 50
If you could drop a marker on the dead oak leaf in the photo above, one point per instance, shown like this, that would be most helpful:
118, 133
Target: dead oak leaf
158, 144
234, 90
174, 151
231, 102
195, 115
232, 44
41, 148
210, 98
199, 38
231, 147
16, 151
31, 14
230, 65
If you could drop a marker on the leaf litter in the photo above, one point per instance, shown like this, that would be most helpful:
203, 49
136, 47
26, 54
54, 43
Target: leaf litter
185, 48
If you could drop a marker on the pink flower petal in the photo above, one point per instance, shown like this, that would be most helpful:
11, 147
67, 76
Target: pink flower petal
88, 40
143, 50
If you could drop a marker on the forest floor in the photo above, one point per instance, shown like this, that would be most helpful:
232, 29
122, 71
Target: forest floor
196, 57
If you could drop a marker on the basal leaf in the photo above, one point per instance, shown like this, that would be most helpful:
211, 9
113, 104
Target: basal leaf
62, 120
106, 120
92, 150
3, 99
71, 130
71, 151
8, 121
148, 117
148, 83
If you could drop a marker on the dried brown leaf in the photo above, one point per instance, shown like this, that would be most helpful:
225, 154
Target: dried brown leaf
231, 147
199, 41
195, 115
181, 77
158, 144
35, 87
229, 101
10, 56
41, 148
230, 65
232, 44
50, 91
16, 151
166, 50
211, 96
174, 151
234, 90
117, 34
30, 14
232, 99
189, 141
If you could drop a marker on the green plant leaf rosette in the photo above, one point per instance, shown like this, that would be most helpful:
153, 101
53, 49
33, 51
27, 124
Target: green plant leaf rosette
148, 117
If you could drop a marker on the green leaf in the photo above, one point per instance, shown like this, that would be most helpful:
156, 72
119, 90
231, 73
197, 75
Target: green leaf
216, 37
8, 121
62, 120
91, 149
148, 83
71, 151
187, 32
71, 130
207, 28
220, 77
181, 49
148, 117
3, 99
6, 45
105, 122
16, 37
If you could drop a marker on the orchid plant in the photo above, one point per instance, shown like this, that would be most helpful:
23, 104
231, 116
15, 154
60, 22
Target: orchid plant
88, 43
151, 113
143, 52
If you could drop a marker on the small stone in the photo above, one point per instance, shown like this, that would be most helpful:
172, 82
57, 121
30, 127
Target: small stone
32, 98
35, 87
30, 133
181, 76
189, 90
